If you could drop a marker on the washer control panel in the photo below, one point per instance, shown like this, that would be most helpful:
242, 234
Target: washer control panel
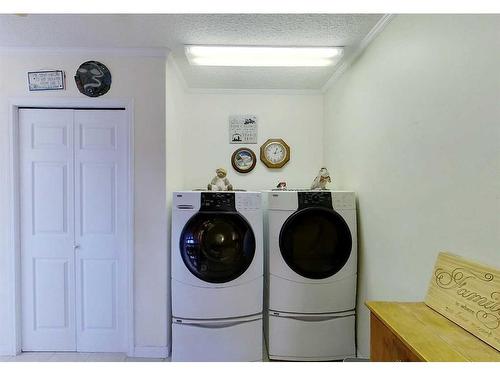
217, 202
248, 201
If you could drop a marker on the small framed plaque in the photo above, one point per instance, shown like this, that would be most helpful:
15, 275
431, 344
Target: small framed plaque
46, 80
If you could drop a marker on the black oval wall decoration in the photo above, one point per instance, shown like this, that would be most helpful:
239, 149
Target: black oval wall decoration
93, 79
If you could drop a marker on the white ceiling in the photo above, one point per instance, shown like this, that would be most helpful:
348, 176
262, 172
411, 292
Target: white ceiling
173, 31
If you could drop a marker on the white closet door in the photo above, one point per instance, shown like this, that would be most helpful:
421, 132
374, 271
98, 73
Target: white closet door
47, 229
100, 229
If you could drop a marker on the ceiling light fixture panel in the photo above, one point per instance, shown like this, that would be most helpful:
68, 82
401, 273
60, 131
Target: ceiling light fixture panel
262, 56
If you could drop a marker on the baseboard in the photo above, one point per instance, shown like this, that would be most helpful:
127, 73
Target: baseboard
151, 352
362, 356
6, 350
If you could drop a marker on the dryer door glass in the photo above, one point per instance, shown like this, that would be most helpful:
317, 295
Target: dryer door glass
217, 247
315, 242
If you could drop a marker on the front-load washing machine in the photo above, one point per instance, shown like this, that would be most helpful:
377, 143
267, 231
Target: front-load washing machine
217, 276
311, 277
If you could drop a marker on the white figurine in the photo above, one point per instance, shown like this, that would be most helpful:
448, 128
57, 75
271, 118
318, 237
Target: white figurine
220, 182
321, 179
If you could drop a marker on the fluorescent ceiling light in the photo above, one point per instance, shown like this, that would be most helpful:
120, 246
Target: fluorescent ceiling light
262, 56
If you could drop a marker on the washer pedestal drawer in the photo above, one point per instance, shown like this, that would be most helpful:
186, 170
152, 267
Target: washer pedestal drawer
192, 302
217, 340
311, 337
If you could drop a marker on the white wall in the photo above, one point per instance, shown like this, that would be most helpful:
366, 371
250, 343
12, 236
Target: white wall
413, 128
176, 105
297, 119
143, 80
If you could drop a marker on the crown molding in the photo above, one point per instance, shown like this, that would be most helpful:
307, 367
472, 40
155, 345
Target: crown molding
370, 37
65, 51
178, 73
254, 91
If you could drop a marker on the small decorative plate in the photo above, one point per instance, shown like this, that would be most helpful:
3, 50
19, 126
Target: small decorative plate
243, 160
93, 79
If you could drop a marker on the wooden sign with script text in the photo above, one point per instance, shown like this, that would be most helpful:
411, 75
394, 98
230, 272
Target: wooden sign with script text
468, 294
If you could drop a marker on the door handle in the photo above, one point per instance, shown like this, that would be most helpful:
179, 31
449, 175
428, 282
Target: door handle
216, 324
76, 247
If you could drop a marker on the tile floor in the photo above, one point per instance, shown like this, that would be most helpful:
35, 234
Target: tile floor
76, 357
88, 357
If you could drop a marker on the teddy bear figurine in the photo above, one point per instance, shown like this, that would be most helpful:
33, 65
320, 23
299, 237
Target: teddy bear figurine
321, 180
220, 181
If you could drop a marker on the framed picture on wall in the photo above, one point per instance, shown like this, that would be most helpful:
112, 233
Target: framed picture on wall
243, 129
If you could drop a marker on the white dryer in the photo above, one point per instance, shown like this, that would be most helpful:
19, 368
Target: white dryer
217, 276
311, 278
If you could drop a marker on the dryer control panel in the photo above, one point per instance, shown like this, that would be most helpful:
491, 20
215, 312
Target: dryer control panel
344, 200
314, 199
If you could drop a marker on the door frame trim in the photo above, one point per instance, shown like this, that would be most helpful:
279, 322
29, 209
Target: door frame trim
14, 248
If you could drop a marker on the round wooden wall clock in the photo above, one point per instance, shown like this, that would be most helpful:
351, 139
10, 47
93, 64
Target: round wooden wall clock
243, 160
275, 153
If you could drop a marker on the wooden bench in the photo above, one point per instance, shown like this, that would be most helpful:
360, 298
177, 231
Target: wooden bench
411, 332
459, 320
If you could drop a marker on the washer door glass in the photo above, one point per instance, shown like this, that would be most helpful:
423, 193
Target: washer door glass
217, 247
315, 242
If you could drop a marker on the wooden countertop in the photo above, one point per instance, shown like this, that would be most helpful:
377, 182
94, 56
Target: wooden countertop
431, 336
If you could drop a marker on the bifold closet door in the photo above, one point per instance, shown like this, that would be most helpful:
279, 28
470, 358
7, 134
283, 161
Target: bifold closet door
47, 229
73, 194
100, 229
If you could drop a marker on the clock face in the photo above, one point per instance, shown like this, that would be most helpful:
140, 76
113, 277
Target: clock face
275, 153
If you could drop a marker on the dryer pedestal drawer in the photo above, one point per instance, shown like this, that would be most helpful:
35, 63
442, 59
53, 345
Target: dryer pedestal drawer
311, 338
312, 298
218, 341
